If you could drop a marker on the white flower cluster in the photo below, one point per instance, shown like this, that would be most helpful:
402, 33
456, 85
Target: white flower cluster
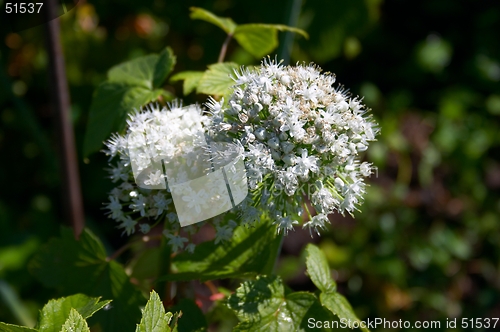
302, 138
155, 132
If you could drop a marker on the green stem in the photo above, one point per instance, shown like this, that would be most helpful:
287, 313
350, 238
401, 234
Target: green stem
286, 41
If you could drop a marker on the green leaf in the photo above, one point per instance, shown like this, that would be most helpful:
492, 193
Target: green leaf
111, 104
225, 23
4, 327
154, 318
81, 267
75, 323
261, 39
257, 40
318, 269
217, 79
339, 306
281, 27
148, 71
192, 318
129, 86
138, 72
164, 65
263, 305
250, 252
56, 312
191, 80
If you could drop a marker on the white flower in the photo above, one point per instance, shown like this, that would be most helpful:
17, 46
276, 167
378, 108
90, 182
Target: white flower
152, 133
155, 178
139, 204
305, 164
190, 248
365, 169
172, 217
176, 241
224, 233
129, 225
195, 199
145, 228
120, 172
285, 224
297, 129
316, 223
161, 203
115, 208
324, 201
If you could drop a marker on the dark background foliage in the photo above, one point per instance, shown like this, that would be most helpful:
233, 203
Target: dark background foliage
426, 245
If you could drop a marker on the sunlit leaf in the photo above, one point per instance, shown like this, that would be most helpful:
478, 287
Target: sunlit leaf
217, 79
263, 305
318, 269
4, 327
339, 306
75, 323
154, 318
129, 86
138, 72
257, 40
163, 67
261, 39
278, 27
56, 312
225, 23
148, 71
191, 80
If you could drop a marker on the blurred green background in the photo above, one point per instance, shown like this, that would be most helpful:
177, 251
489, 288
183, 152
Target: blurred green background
427, 244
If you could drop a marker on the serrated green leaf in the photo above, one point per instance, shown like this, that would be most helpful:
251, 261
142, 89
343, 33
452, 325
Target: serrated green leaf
257, 40
154, 318
164, 65
4, 327
148, 71
263, 305
129, 86
191, 80
250, 252
111, 104
318, 269
225, 23
56, 312
261, 39
75, 323
137, 72
217, 79
282, 27
339, 306
81, 267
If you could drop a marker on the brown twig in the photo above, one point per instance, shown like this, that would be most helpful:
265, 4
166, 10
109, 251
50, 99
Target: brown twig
223, 49
60, 99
